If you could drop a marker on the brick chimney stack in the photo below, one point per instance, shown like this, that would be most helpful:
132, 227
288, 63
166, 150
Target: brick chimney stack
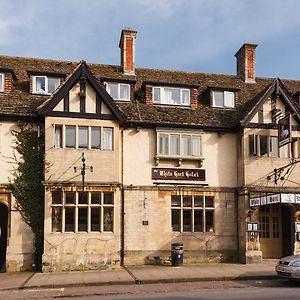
246, 62
127, 46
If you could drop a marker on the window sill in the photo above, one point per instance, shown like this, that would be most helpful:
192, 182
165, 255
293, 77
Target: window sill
158, 158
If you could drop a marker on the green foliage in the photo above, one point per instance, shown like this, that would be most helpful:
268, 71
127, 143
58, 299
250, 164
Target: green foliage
27, 185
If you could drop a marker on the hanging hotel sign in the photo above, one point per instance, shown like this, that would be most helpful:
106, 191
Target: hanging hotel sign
178, 174
284, 131
275, 198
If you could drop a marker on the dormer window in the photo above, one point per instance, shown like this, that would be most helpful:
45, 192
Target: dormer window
118, 91
223, 99
1, 82
45, 84
171, 96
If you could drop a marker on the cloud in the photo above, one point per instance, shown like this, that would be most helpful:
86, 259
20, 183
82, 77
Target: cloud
174, 34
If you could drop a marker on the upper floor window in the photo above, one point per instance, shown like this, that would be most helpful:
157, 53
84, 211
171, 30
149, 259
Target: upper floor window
179, 144
119, 91
172, 96
1, 82
223, 99
45, 84
86, 137
266, 146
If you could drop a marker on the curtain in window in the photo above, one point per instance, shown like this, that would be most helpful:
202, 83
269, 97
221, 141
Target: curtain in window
107, 138
40, 84
186, 145
175, 146
124, 91
163, 144
70, 136
58, 137
83, 137
196, 146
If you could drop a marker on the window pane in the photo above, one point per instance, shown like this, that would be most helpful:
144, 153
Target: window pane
1, 82
196, 146
252, 145
53, 84
229, 99
107, 138
156, 94
108, 198
108, 219
82, 198
163, 144
69, 219
57, 197
113, 90
198, 220
171, 96
40, 84
273, 146
186, 145
83, 137
198, 201
56, 219
209, 220
185, 97
95, 219
175, 201
284, 151
124, 92
70, 198
174, 147
187, 201
82, 218
187, 220
209, 201
58, 136
95, 137
95, 198
263, 143
218, 98
70, 136
175, 219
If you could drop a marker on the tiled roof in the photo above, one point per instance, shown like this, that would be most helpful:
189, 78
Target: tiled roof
21, 102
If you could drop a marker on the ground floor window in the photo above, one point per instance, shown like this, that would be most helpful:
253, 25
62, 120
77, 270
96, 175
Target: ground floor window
82, 211
192, 213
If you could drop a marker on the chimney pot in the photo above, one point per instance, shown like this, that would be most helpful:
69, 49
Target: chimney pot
127, 46
246, 62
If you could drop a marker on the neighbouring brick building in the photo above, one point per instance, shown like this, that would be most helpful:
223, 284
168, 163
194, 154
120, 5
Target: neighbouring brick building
169, 157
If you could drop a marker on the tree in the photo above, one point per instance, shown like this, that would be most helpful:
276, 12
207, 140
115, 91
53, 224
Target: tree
27, 184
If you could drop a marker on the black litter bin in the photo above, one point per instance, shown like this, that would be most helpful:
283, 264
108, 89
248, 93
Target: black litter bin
177, 254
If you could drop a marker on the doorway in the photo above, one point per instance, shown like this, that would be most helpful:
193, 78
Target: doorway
275, 233
3, 236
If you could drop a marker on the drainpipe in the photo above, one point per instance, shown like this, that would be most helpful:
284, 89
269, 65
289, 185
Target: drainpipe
122, 229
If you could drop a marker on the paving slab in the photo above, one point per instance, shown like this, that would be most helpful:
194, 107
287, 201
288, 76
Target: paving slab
202, 272
62, 279
15, 280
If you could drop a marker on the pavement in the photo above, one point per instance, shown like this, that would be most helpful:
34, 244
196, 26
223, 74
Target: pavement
139, 275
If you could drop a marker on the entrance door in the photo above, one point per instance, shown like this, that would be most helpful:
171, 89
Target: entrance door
270, 235
3, 236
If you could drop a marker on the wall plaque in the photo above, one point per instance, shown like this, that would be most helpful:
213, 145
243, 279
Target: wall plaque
178, 174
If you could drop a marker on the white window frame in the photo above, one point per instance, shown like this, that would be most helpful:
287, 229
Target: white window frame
226, 95
167, 138
34, 86
104, 144
2, 82
163, 100
254, 147
119, 90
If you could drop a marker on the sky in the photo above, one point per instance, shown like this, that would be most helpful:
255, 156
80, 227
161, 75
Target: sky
187, 35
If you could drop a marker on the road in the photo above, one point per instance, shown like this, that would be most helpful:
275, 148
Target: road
267, 289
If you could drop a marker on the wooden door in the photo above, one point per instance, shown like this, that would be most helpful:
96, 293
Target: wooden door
270, 234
